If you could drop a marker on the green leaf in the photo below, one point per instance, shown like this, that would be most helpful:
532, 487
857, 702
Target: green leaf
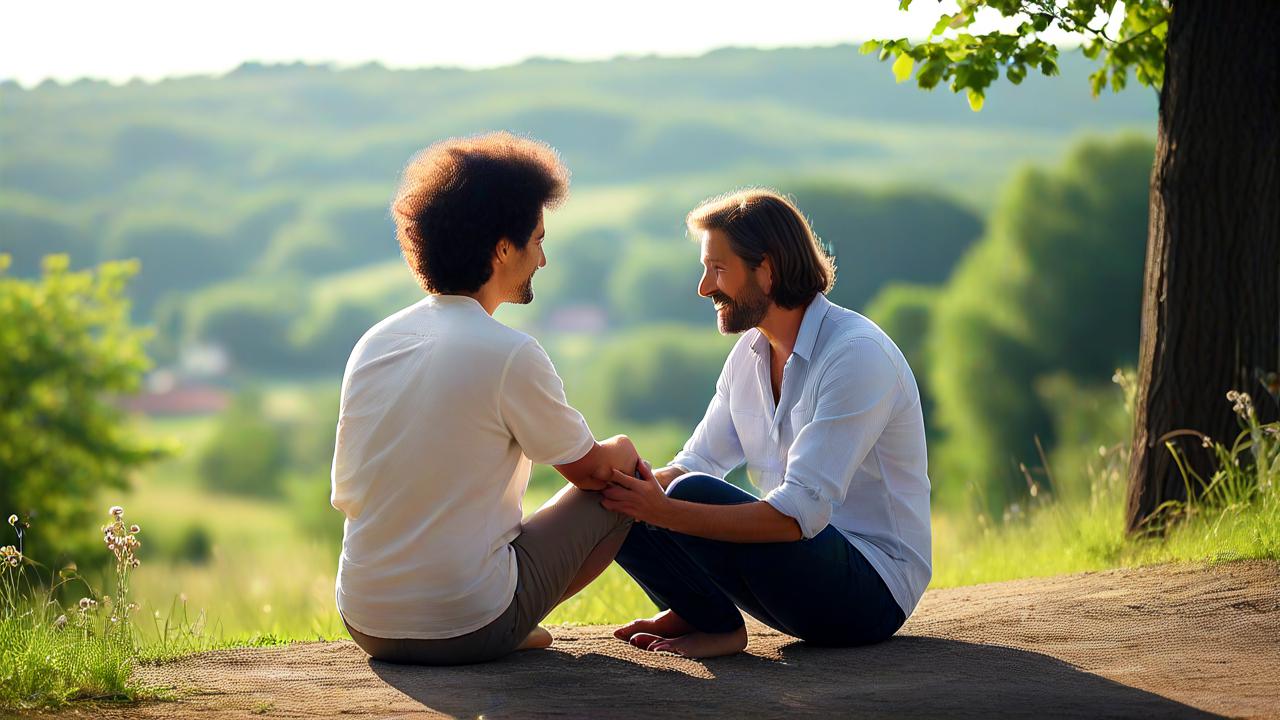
941, 26
869, 47
1097, 81
975, 100
903, 66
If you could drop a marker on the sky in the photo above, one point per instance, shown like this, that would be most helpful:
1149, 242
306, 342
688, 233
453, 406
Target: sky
154, 39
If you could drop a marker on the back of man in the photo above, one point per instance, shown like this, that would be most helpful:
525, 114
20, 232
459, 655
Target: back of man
439, 406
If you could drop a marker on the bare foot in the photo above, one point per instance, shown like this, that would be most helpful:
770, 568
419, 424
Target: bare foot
539, 638
665, 624
703, 645
645, 640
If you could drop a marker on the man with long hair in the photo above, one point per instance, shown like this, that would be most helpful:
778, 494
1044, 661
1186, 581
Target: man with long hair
822, 408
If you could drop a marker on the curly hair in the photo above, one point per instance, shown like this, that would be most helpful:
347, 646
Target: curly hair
459, 197
760, 223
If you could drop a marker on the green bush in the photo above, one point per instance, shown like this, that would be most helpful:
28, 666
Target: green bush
248, 452
66, 347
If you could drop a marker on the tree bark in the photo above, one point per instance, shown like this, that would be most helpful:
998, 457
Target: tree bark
1211, 293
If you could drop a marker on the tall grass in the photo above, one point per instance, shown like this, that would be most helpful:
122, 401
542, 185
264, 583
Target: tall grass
50, 655
1233, 514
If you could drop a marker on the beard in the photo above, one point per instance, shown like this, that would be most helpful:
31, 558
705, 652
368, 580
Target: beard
524, 293
743, 313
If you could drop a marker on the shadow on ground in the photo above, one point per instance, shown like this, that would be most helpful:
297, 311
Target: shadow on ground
907, 676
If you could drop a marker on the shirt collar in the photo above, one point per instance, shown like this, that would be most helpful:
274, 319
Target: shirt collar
807, 337
809, 326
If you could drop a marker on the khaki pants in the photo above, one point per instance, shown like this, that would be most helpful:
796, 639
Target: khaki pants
550, 551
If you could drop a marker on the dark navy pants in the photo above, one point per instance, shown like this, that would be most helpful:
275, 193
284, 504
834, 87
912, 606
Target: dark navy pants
821, 590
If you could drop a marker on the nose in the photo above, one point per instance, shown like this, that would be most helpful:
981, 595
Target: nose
706, 286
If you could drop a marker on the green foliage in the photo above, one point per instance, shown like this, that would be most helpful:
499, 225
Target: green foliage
175, 254
31, 228
658, 373
658, 282
971, 63
1054, 286
248, 452
194, 545
885, 236
66, 346
906, 313
251, 320
339, 234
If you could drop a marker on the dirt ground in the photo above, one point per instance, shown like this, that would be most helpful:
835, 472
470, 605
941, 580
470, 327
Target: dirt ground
1168, 641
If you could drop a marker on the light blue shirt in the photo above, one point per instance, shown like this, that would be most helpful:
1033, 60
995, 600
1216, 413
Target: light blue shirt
844, 447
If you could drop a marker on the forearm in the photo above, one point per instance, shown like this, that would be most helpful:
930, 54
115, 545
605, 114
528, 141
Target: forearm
754, 522
593, 470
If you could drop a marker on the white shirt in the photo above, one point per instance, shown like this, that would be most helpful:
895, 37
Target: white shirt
443, 410
844, 447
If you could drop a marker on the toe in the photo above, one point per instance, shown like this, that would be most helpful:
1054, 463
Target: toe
645, 641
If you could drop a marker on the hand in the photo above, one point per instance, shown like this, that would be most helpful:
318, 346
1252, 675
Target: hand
641, 497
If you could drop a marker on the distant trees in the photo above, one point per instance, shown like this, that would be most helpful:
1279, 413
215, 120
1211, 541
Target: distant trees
66, 348
248, 451
1052, 287
909, 236
659, 373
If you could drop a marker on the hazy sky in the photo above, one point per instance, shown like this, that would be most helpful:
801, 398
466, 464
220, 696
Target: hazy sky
152, 39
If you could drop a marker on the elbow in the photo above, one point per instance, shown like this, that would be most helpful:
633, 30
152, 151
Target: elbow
793, 533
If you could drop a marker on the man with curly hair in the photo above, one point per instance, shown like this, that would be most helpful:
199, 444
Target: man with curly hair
443, 411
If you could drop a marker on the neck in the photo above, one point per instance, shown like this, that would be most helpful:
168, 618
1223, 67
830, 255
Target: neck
487, 296
780, 327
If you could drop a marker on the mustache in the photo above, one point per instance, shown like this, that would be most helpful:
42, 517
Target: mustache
720, 298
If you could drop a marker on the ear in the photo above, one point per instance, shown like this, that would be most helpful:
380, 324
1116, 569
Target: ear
502, 251
764, 275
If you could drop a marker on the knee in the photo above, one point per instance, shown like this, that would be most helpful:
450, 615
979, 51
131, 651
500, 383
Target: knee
702, 488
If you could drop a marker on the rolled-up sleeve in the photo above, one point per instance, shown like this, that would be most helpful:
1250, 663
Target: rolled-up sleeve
856, 397
714, 447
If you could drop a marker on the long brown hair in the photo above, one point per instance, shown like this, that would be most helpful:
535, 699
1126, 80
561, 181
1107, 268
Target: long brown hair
761, 223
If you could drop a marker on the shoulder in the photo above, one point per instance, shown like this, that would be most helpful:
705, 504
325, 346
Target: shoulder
853, 342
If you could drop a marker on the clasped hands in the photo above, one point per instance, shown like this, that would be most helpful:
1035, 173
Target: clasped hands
638, 496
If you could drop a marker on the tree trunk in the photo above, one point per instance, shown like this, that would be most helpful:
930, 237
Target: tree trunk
1211, 293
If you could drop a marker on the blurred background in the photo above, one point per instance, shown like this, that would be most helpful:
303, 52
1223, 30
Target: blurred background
1001, 250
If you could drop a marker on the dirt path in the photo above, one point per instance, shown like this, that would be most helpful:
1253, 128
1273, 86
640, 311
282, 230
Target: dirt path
1170, 641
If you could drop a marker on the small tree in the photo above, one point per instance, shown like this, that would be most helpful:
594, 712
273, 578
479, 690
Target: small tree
66, 348
1211, 293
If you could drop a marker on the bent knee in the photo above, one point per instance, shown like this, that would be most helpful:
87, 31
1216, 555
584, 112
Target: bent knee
706, 489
